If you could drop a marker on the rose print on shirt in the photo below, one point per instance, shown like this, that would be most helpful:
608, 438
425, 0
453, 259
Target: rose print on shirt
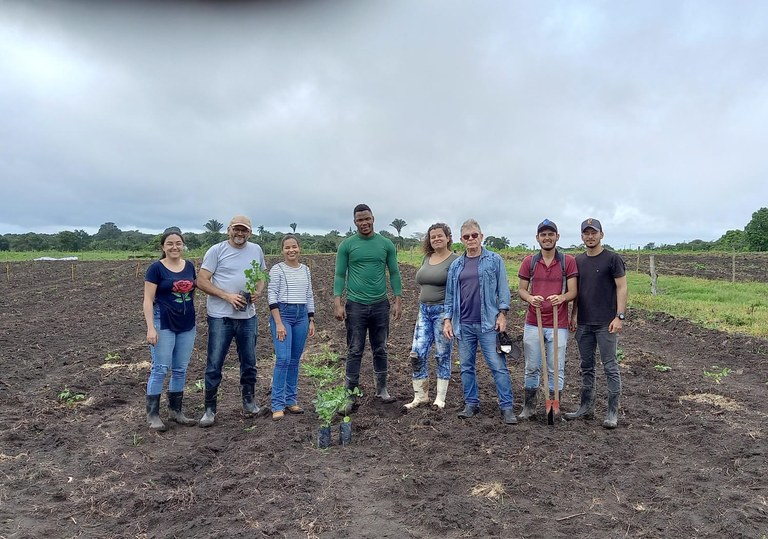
182, 290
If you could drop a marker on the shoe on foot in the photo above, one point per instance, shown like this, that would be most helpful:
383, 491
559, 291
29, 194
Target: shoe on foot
294, 409
509, 416
277, 416
469, 411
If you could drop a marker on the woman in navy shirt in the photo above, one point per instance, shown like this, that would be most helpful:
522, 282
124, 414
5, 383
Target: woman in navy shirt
169, 311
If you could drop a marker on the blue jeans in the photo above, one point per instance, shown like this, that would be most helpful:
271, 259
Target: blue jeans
285, 377
372, 320
588, 338
429, 331
533, 356
471, 336
221, 331
172, 351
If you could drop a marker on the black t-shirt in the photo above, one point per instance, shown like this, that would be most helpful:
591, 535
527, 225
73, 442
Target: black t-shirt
597, 287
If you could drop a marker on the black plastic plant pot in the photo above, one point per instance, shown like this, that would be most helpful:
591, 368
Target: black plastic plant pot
247, 297
324, 437
345, 433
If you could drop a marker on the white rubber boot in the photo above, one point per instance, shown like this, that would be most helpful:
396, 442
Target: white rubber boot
420, 393
442, 389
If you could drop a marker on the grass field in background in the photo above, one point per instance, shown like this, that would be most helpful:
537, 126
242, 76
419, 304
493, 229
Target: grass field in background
730, 307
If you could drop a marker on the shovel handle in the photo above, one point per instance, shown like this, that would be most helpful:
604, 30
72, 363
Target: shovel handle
556, 354
543, 349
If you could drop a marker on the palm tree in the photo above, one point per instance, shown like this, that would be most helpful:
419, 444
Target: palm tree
214, 226
293, 227
398, 224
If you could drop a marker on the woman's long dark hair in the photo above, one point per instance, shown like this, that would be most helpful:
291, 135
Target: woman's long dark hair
171, 231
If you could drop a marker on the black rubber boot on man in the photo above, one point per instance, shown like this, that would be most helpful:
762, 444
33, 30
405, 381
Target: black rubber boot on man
529, 404
586, 408
210, 408
381, 388
612, 417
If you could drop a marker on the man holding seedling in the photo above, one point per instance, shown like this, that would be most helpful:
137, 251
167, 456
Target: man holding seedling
231, 313
598, 318
362, 262
547, 281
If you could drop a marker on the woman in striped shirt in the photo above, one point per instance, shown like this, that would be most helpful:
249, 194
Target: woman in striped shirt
292, 305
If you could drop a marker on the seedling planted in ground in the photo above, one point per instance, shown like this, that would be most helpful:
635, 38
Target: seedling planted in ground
662, 368
70, 397
717, 373
112, 356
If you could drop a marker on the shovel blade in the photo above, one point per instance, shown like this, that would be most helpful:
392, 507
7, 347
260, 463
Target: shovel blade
549, 406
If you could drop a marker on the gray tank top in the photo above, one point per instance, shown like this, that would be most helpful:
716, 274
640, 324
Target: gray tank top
432, 280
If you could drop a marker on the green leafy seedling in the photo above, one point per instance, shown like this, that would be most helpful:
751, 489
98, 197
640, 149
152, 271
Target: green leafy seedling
70, 397
253, 276
717, 373
199, 385
112, 357
330, 401
662, 368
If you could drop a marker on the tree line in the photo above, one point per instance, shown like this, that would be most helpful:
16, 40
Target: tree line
111, 238
754, 237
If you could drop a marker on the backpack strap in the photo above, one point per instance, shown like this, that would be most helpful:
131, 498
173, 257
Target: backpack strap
560, 258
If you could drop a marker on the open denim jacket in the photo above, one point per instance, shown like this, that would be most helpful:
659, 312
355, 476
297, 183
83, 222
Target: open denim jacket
494, 290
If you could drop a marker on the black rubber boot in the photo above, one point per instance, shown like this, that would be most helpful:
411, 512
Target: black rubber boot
153, 413
612, 417
249, 405
529, 404
210, 408
468, 411
381, 388
586, 408
175, 399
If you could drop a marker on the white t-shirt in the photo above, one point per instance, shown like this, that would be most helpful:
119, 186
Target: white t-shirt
227, 265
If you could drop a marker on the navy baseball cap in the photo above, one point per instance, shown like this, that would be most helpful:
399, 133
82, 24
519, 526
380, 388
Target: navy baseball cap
591, 223
546, 223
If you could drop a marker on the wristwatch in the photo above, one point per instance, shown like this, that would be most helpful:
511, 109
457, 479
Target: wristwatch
620, 316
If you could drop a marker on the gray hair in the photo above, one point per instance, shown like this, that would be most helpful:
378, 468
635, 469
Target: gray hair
471, 223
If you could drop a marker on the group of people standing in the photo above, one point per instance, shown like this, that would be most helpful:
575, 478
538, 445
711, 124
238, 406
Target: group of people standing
466, 297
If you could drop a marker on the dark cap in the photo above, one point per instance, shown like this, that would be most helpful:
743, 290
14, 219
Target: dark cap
546, 223
591, 223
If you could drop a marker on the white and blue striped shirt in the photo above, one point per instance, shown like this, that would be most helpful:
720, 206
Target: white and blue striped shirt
290, 285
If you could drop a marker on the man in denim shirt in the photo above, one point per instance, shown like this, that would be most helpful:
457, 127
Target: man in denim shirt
476, 303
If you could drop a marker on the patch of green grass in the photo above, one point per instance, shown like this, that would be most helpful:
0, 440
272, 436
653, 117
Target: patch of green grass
722, 305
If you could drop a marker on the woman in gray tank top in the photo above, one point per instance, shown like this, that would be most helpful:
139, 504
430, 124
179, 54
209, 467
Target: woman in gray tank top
431, 278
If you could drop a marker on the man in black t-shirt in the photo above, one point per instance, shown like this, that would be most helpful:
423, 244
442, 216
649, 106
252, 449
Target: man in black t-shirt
598, 318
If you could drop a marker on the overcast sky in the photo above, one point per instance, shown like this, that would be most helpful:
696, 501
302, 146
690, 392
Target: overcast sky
651, 116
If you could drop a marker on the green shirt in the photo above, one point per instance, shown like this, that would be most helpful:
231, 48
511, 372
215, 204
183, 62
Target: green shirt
361, 263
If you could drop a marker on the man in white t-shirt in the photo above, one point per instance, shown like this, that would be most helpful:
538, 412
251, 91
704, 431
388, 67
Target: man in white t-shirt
231, 313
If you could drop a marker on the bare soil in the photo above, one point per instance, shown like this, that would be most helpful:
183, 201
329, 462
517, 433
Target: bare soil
688, 458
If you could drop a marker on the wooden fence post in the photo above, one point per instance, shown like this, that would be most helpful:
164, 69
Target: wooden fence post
637, 269
652, 264
733, 267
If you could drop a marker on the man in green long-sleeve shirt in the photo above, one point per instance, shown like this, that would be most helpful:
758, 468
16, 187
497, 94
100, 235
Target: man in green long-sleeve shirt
362, 262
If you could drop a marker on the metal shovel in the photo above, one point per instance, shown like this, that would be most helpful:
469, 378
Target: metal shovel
544, 370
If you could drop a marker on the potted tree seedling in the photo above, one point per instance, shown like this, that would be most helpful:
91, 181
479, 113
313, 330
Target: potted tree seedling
327, 404
253, 276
